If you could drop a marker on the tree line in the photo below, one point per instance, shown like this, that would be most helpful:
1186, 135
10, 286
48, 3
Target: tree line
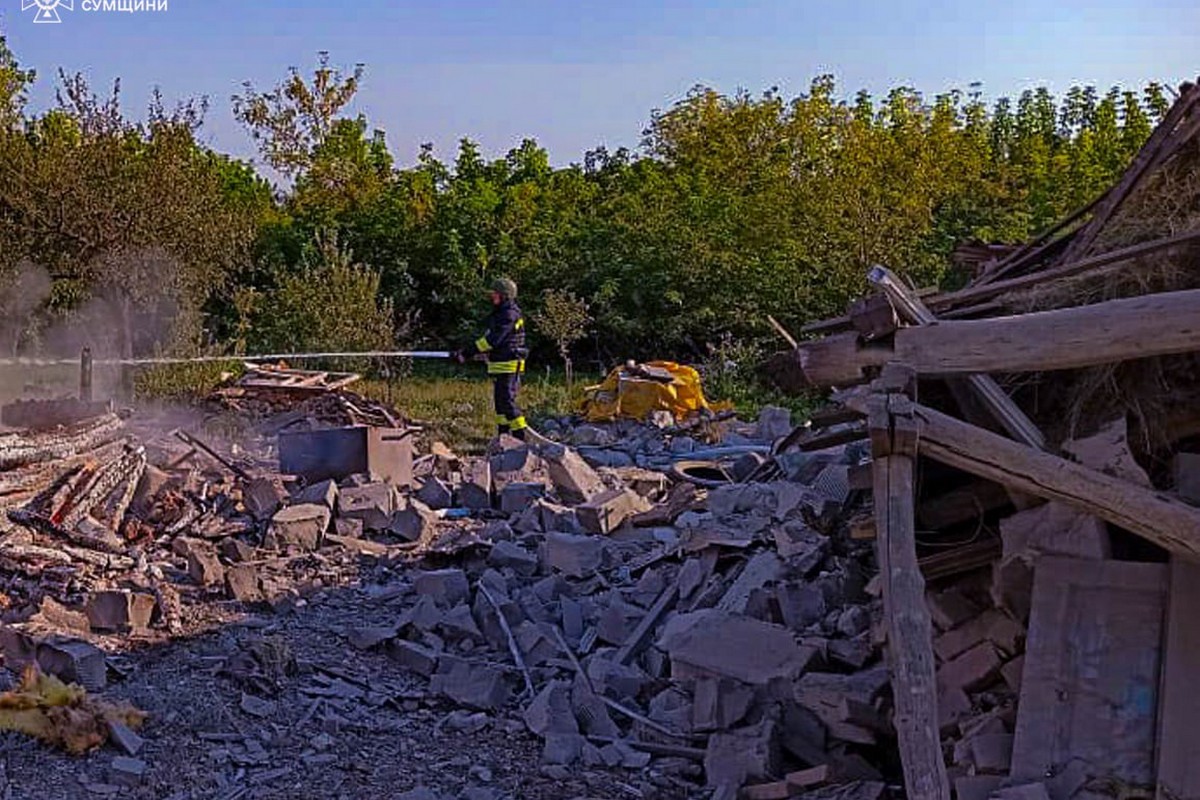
733, 207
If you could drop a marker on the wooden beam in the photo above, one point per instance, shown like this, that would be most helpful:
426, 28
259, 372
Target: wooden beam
1068, 338
1000, 405
1156, 516
910, 631
1143, 162
1178, 745
986, 292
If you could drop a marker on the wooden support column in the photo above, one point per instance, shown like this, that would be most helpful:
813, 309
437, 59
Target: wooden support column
910, 632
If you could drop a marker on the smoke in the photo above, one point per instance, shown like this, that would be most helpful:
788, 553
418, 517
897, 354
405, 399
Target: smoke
22, 296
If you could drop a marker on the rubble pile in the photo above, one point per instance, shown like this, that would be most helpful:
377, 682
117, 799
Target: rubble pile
1033, 476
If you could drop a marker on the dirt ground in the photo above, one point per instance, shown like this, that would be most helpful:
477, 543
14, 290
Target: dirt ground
281, 705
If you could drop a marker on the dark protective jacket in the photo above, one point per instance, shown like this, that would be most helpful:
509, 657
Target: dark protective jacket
504, 341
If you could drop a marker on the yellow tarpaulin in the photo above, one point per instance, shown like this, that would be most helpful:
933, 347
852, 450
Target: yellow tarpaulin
634, 392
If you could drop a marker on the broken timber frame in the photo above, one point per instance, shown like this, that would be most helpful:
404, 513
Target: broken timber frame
1000, 405
909, 628
1146, 326
1156, 516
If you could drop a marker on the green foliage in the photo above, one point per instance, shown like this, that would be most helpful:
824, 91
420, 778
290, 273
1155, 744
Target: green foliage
330, 304
564, 318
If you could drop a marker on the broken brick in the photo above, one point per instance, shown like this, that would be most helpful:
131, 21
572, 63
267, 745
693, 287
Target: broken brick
992, 752
121, 611
435, 493
744, 649
413, 521
204, 568
300, 526
550, 711
324, 493
517, 497
607, 511
1011, 672
475, 491
971, 671
950, 608
479, 686
73, 662
447, 587
262, 497
577, 556
242, 584
235, 550
412, 656
574, 481
735, 757
992, 626
373, 504
510, 555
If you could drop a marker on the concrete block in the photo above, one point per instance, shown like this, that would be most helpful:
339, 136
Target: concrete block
203, 567
475, 491
605, 512
302, 526
719, 704
124, 738
413, 521
436, 493
517, 497
262, 497
72, 661
973, 670
747, 754
992, 626
562, 749
574, 481
325, 493
373, 504
412, 656
510, 555
559, 518
576, 556
801, 605
551, 712
721, 644
348, 528
235, 550
950, 608
476, 685
127, 771
121, 611
242, 583
447, 587
458, 623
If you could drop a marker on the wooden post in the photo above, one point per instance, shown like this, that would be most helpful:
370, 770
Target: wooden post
85, 375
910, 631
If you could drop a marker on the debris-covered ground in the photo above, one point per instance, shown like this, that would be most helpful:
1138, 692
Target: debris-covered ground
536, 623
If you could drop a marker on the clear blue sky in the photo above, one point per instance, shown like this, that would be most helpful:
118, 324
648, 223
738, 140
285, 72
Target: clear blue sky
577, 73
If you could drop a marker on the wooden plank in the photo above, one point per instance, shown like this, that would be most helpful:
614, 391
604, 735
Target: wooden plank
1179, 703
1147, 157
910, 632
1146, 326
1090, 682
975, 294
1157, 516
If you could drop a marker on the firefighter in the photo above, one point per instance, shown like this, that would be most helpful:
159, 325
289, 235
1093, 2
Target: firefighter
503, 344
